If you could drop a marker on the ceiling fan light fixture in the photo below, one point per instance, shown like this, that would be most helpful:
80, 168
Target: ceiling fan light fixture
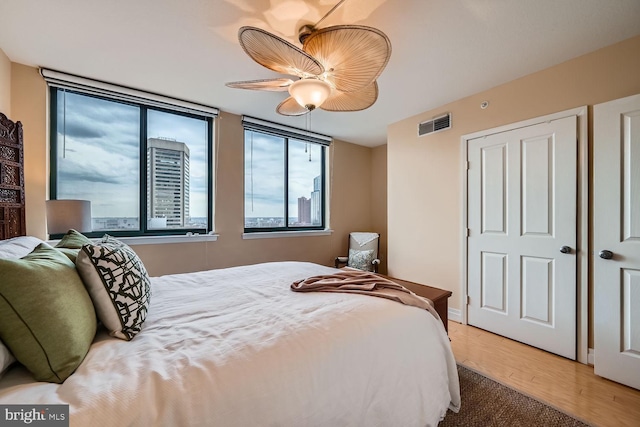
310, 93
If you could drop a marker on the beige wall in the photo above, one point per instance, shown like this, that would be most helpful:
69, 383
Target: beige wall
28, 104
425, 174
5, 84
379, 200
350, 202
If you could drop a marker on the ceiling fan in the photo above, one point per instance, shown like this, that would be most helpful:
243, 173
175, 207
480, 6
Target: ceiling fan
336, 68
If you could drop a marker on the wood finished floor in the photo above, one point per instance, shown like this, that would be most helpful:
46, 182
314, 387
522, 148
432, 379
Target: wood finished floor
569, 386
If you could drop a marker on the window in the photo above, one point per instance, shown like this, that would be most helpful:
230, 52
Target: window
146, 169
284, 178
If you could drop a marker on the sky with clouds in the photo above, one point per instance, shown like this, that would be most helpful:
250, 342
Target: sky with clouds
99, 154
265, 170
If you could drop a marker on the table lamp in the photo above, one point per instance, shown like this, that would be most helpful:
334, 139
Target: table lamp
63, 215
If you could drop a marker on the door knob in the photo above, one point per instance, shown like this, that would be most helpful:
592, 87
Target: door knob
565, 250
605, 254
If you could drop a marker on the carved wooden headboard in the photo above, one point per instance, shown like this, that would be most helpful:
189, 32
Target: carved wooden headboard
12, 213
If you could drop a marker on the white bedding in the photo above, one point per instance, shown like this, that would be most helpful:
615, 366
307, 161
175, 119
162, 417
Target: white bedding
236, 347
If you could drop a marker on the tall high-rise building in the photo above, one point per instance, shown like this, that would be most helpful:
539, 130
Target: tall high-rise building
316, 205
167, 183
304, 210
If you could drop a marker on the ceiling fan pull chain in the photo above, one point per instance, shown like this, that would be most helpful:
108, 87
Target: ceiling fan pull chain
251, 171
308, 119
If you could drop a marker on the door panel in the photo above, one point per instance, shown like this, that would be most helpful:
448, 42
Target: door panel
494, 282
521, 210
537, 186
494, 204
537, 289
631, 180
631, 315
616, 214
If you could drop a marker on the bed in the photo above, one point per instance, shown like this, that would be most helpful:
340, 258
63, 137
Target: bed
236, 347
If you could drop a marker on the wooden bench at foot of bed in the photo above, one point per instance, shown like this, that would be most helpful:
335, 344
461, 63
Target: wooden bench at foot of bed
440, 297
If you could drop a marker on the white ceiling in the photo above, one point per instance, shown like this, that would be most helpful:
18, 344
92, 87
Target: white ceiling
443, 50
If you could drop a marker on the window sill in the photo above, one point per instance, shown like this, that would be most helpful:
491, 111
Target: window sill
280, 234
158, 240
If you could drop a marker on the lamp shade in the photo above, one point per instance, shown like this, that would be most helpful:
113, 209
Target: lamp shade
63, 215
310, 93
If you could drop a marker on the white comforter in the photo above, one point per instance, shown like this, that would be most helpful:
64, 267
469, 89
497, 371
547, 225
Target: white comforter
236, 347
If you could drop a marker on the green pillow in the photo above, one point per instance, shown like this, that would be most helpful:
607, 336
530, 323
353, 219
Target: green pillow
72, 254
46, 316
73, 240
71, 243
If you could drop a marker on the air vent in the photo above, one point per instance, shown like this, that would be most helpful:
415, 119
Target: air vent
434, 125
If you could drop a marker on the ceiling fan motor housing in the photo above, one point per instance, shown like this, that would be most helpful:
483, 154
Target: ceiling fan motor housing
304, 32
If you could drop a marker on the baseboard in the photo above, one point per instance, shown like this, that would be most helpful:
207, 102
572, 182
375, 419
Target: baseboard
454, 314
591, 356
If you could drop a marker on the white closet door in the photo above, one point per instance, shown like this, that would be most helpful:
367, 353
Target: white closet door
522, 234
616, 222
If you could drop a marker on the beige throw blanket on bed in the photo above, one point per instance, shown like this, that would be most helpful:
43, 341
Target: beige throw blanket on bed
364, 283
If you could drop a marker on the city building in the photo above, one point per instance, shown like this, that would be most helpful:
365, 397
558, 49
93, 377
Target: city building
167, 183
316, 201
304, 211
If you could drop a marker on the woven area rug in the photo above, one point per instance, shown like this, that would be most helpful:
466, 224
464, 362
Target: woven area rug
489, 403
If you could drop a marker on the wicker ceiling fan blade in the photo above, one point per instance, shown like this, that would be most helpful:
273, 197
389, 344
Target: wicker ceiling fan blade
290, 107
277, 54
353, 55
271, 85
352, 101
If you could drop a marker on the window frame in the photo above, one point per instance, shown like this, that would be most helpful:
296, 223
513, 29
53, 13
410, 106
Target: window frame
287, 133
143, 229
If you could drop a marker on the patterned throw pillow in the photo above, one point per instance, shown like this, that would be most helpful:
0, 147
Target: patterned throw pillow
362, 260
118, 284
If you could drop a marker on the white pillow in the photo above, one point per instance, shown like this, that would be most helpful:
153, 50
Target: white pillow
6, 358
118, 284
18, 247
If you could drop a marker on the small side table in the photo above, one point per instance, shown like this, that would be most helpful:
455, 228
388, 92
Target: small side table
440, 297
